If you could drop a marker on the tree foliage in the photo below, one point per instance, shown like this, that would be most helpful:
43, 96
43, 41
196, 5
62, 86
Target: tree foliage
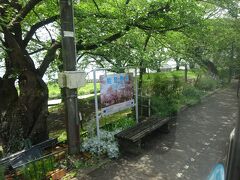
109, 33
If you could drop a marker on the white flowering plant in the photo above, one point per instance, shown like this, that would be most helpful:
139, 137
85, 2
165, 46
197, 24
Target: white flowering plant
105, 145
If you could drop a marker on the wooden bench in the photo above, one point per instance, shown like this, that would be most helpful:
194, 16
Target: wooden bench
129, 140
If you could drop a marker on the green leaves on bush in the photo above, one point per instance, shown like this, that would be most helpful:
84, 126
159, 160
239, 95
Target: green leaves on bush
191, 91
169, 93
190, 95
207, 83
38, 169
163, 106
122, 123
2, 169
165, 95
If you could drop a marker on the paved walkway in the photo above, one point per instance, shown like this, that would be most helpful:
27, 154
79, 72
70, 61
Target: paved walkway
58, 101
198, 139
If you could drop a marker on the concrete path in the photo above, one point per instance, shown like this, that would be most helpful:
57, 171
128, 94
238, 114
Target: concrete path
58, 101
197, 141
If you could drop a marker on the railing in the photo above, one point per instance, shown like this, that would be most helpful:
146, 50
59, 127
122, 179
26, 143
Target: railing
145, 102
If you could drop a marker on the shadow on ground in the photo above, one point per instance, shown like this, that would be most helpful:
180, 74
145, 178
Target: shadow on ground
197, 141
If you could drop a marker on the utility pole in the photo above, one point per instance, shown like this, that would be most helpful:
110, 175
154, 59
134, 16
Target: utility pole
69, 64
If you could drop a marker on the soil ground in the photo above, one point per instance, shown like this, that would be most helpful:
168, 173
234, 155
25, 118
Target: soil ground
198, 140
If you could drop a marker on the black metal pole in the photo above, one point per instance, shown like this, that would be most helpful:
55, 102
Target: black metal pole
69, 64
233, 169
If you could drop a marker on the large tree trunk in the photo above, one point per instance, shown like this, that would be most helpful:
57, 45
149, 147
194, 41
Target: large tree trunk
34, 100
178, 61
230, 74
24, 117
8, 96
177, 65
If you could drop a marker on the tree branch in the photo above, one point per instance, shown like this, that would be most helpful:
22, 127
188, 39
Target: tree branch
94, 55
50, 56
44, 25
110, 39
97, 61
161, 10
79, 57
13, 4
24, 11
127, 2
146, 42
157, 30
96, 6
36, 26
36, 51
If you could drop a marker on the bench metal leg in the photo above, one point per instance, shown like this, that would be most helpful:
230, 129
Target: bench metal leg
126, 146
165, 128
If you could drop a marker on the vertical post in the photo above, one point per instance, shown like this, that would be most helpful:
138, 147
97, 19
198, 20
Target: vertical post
233, 172
185, 73
136, 95
149, 106
69, 64
96, 103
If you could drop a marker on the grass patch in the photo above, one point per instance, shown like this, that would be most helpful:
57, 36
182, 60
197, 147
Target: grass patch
179, 74
88, 89
55, 108
55, 92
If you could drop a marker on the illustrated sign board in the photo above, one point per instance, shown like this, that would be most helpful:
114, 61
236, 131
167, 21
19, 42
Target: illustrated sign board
116, 92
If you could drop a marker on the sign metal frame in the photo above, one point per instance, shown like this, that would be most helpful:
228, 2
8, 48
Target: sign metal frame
97, 112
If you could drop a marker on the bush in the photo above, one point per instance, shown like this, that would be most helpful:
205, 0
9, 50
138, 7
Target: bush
122, 123
163, 106
190, 95
38, 168
191, 91
165, 95
106, 144
207, 83
2, 170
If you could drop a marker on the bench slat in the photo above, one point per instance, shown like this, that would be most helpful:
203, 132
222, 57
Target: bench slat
142, 129
137, 127
148, 130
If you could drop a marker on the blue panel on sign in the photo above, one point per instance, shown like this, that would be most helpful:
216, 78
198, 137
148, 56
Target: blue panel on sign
109, 80
121, 78
115, 79
127, 78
